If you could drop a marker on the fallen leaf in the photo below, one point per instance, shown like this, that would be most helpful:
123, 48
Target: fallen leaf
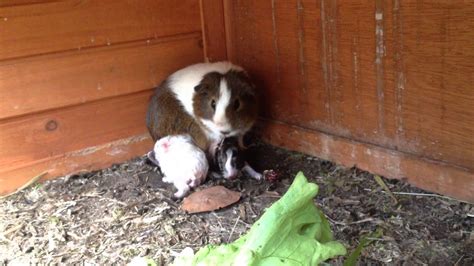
210, 199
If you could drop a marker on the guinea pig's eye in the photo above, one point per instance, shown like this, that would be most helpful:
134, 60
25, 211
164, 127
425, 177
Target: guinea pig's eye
213, 104
236, 104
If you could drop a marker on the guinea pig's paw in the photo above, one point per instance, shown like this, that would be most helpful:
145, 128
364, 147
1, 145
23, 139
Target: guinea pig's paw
215, 175
257, 176
167, 179
251, 172
194, 182
150, 157
182, 191
198, 180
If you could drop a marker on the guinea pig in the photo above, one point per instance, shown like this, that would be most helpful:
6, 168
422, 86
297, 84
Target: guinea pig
229, 161
208, 101
182, 163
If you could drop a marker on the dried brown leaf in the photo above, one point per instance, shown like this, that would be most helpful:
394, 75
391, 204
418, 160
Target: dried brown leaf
210, 199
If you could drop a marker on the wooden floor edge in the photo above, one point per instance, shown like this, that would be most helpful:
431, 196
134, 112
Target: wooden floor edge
89, 159
429, 175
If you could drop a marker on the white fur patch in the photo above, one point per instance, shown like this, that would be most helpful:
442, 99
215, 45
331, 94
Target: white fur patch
228, 165
183, 81
214, 132
182, 162
220, 118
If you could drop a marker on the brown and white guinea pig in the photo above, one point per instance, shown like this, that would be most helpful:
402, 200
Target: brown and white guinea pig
229, 161
209, 101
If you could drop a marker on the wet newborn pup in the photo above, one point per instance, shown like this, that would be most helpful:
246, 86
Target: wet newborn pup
229, 161
181, 161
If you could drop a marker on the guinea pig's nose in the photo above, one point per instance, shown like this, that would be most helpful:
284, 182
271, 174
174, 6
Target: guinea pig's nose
225, 132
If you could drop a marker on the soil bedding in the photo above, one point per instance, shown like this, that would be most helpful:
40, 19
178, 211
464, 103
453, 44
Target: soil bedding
125, 211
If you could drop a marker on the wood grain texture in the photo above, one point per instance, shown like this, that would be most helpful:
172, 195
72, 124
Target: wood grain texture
213, 30
85, 160
78, 77
392, 74
26, 140
426, 174
33, 28
10, 3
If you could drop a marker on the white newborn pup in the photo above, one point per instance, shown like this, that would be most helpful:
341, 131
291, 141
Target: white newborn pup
181, 161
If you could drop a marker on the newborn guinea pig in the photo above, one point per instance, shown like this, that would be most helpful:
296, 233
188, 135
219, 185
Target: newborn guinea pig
229, 161
181, 162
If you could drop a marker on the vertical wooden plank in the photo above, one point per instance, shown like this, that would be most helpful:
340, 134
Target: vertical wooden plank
229, 29
397, 74
213, 30
329, 55
438, 47
392, 74
313, 111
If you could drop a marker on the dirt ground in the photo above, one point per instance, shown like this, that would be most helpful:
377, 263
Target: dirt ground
113, 215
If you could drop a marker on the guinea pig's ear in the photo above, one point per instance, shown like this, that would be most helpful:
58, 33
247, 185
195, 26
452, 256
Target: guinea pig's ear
198, 87
201, 89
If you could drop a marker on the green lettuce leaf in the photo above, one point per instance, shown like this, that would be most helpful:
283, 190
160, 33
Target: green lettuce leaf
293, 231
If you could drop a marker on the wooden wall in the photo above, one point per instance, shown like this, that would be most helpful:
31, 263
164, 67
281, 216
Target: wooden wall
385, 85
76, 75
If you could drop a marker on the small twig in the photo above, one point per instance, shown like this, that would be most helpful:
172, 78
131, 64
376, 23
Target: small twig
116, 201
233, 228
457, 262
2, 238
269, 194
73, 235
249, 205
423, 195
197, 237
379, 181
218, 221
13, 229
378, 239
27, 184
244, 223
351, 223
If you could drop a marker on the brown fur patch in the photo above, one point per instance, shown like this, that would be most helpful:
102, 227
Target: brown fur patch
206, 92
166, 116
242, 111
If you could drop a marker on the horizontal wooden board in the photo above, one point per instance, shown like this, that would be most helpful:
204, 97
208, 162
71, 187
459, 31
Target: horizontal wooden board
89, 159
10, 3
393, 74
36, 27
430, 175
41, 83
28, 139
